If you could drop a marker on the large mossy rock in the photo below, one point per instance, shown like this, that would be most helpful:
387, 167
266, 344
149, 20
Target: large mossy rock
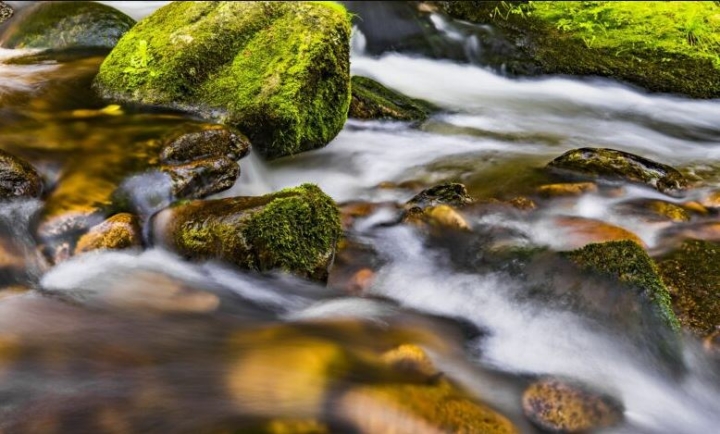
692, 274
661, 46
279, 71
295, 230
372, 100
618, 165
60, 25
18, 178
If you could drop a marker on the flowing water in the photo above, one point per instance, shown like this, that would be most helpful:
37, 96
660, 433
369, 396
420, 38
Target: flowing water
148, 342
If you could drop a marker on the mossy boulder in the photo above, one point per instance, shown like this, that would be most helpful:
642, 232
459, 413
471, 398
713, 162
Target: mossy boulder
562, 406
279, 71
627, 262
18, 178
295, 230
692, 274
618, 165
372, 100
61, 25
121, 231
5, 12
661, 46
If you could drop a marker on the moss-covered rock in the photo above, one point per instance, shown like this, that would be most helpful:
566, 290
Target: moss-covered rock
295, 230
661, 46
60, 25
627, 262
5, 12
561, 406
121, 231
372, 100
18, 178
692, 274
618, 165
279, 71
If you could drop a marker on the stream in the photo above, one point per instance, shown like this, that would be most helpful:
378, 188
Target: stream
145, 341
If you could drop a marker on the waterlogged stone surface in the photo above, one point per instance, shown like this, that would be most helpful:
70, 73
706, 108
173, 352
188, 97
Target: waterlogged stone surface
18, 178
372, 100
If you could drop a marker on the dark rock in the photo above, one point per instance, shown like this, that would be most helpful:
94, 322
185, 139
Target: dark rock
372, 100
295, 230
562, 406
202, 178
442, 194
60, 25
18, 178
193, 143
618, 165
6, 12
692, 274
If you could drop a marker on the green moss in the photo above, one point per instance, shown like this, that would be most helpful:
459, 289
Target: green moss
372, 100
692, 273
662, 46
279, 71
627, 262
295, 229
66, 25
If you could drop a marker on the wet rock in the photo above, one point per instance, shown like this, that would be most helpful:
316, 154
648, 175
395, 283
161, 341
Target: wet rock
577, 232
372, 100
279, 71
627, 262
560, 406
354, 268
618, 165
564, 38
711, 343
410, 358
653, 211
18, 178
295, 230
192, 143
712, 200
448, 194
202, 178
446, 216
5, 12
566, 189
121, 231
66, 25
419, 409
692, 275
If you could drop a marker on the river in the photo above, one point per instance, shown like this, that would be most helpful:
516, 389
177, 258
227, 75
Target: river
141, 338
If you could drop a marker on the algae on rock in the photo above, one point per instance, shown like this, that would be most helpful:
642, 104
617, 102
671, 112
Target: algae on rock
62, 25
295, 230
279, 71
372, 100
661, 46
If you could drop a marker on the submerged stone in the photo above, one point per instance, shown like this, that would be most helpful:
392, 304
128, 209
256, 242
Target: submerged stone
450, 193
618, 165
279, 71
61, 25
295, 230
372, 100
692, 274
561, 406
18, 178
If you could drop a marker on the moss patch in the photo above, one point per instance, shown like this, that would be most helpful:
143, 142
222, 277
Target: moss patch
661, 46
627, 262
60, 25
692, 274
279, 71
295, 230
372, 100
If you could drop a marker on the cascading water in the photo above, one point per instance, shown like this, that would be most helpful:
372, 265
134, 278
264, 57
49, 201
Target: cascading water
139, 330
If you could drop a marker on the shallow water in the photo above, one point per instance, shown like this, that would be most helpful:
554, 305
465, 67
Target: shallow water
149, 342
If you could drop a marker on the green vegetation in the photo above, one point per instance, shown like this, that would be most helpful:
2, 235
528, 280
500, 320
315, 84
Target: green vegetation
279, 71
661, 46
627, 262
